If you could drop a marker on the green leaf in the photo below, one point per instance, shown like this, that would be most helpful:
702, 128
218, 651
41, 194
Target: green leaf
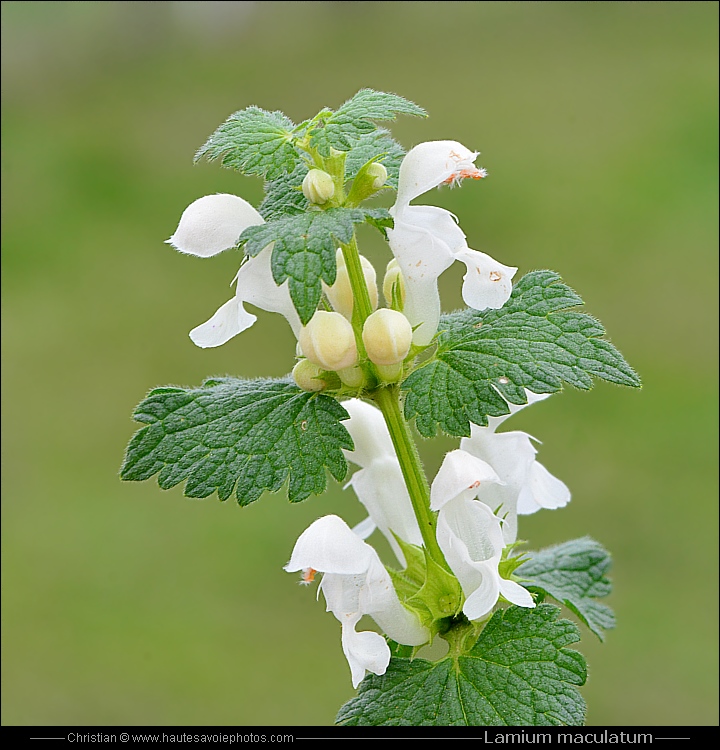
254, 142
574, 575
379, 146
285, 196
305, 246
487, 358
355, 118
247, 435
519, 673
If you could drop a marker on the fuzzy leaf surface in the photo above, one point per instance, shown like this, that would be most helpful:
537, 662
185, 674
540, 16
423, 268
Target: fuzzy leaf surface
380, 146
285, 196
485, 359
356, 117
519, 673
254, 142
573, 574
243, 435
305, 246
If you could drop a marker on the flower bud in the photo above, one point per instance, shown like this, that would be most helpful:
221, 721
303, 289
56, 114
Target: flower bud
379, 174
390, 373
340, 293
328, 341
352, 377
307, 376
394, 286
318, 186
387, 335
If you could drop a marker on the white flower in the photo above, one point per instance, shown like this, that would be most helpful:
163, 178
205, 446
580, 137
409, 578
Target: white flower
426, 240
470, 536
207, 227
355, 583
526, 485
379, 484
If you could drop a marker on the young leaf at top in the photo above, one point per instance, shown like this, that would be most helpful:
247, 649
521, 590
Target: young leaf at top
255, 142
285, 196
377, 145
305, 247
247, 435
573, 573
519, 673
355, 118
487, 358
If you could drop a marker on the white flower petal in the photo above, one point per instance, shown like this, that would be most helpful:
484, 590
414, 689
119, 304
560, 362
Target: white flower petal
515, 593
423, 242
542, 490
365, 527
432, 163
460, 475
365, 651
368, 431
228, 321
511, 454
487, 283
381, 489
494, 422
485, 596
255, 284
212, 224
470, 539
329, 545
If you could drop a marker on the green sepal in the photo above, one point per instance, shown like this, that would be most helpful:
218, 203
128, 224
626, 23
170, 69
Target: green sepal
362, 185
441, 594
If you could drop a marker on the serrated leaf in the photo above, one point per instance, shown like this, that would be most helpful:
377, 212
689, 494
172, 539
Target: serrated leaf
284, 196
305, 246
519, 673
377, 145
242, 435
573, 573
487, 358
255, 142
356, 117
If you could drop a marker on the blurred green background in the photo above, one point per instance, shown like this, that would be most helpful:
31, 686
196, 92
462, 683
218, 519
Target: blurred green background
123, 604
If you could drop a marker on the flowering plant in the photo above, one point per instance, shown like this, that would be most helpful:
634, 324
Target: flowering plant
365, 373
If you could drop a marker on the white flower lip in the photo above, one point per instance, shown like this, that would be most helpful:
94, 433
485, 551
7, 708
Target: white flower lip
426, 240
355, 583
210, 225
379, 484
470, 535
527, 485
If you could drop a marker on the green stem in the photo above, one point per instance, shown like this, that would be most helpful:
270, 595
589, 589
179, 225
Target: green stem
362, 307
388, 399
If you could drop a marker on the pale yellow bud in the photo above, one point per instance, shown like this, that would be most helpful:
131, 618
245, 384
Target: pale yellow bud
328, 341
307, 376
390, 373
318, 186
387, 335
340, 293
379, 174
394, 278
352, 377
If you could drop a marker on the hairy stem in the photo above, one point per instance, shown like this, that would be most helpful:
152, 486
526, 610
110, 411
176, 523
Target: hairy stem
388, 399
